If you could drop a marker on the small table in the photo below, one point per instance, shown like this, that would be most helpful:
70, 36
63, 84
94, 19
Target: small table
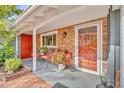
46, 57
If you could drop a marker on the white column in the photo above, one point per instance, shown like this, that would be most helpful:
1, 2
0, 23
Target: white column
17, 46
34, 50
122, 48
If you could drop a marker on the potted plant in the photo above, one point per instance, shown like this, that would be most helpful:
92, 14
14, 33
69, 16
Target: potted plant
60, 59
43, 50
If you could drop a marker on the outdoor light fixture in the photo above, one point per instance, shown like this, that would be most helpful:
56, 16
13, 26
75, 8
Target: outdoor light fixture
64, 35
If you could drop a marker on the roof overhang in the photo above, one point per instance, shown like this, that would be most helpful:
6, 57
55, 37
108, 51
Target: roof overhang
32, 15
35, 15
23, 15
49, 17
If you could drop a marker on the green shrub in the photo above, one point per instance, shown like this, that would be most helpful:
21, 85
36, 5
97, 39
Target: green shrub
9, 51
1, 55
12, 64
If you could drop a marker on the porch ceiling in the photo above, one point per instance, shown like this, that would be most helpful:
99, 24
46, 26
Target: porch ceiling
76, 16
39, 15
60, 17
51, 17
31, 19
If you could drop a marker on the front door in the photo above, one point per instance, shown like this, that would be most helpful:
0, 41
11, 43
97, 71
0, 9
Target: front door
87, 48
26, 46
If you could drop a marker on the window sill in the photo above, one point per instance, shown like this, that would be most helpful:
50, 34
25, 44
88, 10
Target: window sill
51, 46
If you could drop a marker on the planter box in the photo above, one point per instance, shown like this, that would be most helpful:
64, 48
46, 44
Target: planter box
7, 77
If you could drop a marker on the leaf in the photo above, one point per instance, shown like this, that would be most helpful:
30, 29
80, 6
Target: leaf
8, 11
7, 36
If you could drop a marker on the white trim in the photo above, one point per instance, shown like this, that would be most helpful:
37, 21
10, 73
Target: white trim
19, 37
17, 46
88, 71
50, 46
49, 33
99, 45
34, 50
46, 34
23, 15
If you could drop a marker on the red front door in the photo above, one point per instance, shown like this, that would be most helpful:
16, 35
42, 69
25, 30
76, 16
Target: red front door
88, 48
26, 46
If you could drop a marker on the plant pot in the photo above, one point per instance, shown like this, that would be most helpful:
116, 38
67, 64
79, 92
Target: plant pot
61, 67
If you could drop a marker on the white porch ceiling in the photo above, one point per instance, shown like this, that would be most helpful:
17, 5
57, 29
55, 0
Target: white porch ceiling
39, 15
52, 17
80, 15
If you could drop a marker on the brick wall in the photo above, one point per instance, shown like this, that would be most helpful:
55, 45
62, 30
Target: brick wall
68, 42
104, 46
104, 35
38, 41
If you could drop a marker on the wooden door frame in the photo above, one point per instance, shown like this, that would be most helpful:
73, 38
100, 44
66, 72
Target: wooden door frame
99, 46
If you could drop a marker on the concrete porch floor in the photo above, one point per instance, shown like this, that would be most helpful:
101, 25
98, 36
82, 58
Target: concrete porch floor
68, 78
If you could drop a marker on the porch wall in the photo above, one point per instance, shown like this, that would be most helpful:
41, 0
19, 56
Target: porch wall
38, 41
104, 35
104, 43
69, 42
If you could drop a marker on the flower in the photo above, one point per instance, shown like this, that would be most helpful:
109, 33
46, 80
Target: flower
62, 57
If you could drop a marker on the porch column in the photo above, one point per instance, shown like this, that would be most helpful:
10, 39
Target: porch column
17, 46
34, 50
122, 48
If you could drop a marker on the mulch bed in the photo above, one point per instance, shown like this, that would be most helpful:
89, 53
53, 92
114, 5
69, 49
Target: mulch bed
4, 76
29, 80
22, 78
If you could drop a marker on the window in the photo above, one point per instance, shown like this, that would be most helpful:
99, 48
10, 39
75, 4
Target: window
49, 40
